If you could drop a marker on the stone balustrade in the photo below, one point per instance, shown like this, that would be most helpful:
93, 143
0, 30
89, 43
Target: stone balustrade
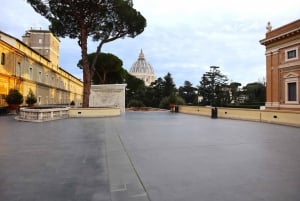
43, 114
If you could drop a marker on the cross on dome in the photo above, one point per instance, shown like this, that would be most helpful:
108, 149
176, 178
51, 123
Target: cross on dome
141, 56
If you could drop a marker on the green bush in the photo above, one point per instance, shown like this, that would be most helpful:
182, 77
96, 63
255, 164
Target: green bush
31, 99
135, 103
165, 102
72, 103
180, 100
14, 97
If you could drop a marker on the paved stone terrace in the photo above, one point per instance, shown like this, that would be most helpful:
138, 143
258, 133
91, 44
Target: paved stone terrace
148, 156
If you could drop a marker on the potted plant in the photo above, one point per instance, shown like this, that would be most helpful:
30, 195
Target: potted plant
31, 99
72, 103
14, 99
172, 102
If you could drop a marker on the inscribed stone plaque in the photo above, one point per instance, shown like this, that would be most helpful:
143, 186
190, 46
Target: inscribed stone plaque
108, 95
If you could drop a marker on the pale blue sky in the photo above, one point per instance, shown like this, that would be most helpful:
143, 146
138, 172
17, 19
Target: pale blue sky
183, 39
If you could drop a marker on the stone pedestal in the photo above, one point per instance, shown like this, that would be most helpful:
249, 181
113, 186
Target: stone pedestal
108, 95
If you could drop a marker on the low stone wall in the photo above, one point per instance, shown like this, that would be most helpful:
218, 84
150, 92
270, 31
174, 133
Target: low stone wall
42, 114
50, 114
291, 118
239, 113
204, 111
94, 112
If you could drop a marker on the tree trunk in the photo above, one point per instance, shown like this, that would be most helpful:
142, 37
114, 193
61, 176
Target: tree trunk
86, 69
98, 50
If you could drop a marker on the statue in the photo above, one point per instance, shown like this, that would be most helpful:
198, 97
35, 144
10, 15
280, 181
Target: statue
269, 27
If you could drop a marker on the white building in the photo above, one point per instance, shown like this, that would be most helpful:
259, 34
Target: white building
143, 70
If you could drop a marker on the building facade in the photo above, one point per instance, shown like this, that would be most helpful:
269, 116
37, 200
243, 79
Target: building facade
283, 66
45, 43
143, 70
34, 64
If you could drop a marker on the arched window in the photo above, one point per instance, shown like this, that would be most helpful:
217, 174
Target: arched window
2, 58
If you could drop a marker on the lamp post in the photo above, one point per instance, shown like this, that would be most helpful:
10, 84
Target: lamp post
214, 111
213, 83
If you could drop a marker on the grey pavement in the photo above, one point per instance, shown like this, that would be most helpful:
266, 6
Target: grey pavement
148, 156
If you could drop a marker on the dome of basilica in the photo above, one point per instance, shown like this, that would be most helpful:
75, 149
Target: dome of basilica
143, 70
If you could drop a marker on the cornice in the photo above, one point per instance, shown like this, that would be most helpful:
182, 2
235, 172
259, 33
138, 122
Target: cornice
267, 41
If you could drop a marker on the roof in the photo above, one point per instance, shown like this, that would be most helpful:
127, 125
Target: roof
285, 31
141, 65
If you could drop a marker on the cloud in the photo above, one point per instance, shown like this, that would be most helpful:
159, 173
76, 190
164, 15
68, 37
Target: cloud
183, 38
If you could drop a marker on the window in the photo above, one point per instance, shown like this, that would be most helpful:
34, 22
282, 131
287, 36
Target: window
40, 41
291, 88
2, 58
30, 73
292, 91
46, 79
40, 76
291, 54
18, 69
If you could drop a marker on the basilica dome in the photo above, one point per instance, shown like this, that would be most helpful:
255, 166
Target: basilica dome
143, 70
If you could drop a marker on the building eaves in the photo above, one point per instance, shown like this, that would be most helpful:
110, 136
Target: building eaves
14, 38
19, 41
267, 41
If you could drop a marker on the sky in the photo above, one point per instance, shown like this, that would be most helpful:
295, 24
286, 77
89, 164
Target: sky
183, 38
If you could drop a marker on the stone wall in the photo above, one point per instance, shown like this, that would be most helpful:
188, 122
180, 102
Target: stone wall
291, 118
108, 95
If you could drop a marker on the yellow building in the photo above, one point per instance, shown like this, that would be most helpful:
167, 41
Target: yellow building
283, 66
34, 64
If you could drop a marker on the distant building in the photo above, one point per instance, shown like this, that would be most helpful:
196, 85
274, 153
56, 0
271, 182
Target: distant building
283, 66
34, 64
143, 70
45, 43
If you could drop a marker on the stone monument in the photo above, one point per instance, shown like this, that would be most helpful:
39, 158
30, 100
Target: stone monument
108, 95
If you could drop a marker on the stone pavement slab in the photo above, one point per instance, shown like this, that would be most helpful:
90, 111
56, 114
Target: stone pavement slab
148, 156
53, 161
184, 157
125, 183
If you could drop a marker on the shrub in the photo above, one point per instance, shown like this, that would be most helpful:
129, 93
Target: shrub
14, 97
31, 99
135, 103
180, 100
164, 103
172, 99
72, 103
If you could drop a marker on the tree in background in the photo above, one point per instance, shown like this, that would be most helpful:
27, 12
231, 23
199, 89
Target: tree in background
214, 88
158, 90
204, 90
154, 93
135, 89
104, 21
168, 85
107, 68
255, 93
188, 92
235, 92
